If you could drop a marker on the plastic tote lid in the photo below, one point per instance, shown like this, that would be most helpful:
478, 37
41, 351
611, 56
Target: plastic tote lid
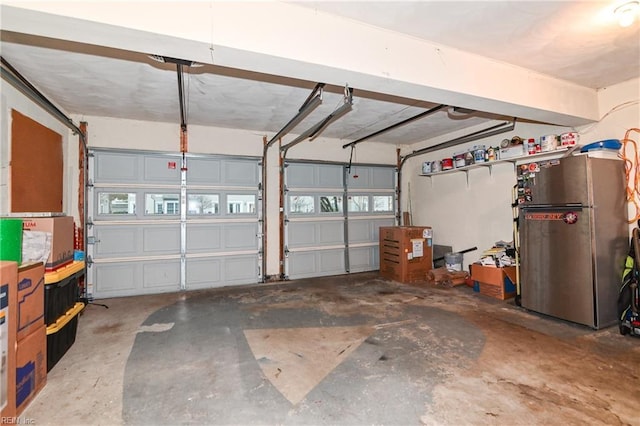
612, 144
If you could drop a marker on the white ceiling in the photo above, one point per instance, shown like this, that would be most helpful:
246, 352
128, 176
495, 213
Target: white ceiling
577, 41
566, 40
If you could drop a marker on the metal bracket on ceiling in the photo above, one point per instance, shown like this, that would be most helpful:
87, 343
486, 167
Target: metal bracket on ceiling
308, 106
314, 131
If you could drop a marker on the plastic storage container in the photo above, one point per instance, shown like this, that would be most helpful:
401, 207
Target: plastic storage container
453, 261
11, 239
61, 335
61, 291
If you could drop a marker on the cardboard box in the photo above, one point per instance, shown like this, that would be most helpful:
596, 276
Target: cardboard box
30, 299
31, 367
8, 283
62, 235
495, 282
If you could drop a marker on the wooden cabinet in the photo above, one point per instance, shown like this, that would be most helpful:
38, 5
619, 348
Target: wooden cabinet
406, 253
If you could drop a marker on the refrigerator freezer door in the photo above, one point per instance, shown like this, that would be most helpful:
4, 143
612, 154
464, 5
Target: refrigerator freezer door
556, 271
565, 183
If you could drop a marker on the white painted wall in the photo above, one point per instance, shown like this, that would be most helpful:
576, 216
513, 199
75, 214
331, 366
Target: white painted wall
13, 99
620, 104
478, 212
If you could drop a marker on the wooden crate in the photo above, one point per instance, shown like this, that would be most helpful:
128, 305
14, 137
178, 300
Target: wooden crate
495, 282
399, 249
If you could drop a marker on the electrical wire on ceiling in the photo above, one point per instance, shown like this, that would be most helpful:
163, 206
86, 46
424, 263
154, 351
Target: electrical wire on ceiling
608, 113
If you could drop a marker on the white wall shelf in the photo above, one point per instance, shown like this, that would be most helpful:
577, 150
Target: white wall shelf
549, 155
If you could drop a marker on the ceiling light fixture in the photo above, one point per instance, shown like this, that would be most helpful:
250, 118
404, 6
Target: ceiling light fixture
626, 13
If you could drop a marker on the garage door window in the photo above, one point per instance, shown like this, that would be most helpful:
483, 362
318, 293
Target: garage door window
301, 204
116, 203
241, 204
162, 204
330, 204
203, 204
382, 203
358, 203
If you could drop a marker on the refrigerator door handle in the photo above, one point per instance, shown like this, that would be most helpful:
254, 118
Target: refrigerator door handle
555, 207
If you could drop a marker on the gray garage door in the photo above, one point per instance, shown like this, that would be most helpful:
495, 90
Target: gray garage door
157, 228
333, 216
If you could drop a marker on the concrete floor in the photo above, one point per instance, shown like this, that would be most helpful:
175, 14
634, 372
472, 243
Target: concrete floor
342, 350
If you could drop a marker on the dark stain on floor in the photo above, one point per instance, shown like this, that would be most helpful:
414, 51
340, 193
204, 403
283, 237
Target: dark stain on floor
202, 371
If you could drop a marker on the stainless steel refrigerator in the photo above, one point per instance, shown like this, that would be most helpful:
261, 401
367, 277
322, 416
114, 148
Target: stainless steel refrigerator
573, 240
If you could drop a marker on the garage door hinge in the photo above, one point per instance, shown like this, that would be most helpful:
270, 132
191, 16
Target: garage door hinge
89, 261
92, 240
89, 183
89, 222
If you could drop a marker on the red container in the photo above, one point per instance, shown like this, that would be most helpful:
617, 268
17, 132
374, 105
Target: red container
447, 163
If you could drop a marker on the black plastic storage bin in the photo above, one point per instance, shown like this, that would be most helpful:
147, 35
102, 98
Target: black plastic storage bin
61, 335
61, 291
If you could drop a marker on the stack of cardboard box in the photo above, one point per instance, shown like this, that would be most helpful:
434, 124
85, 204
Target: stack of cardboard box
22, 335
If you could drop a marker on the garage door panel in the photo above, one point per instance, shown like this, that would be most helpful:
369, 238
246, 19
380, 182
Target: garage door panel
303, 264
204, 273
204, 238
330, 233
240, 173
301, 234
382, 178
241, 236
362, 259
114, 279
161, 239
117, 241
332, 261
204, 171
221, 271
314, 176
330, 176
317, 263
240, 270
371, 178
300, 176
366, 230
116, 168
161, 274
359, 231
161, 169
